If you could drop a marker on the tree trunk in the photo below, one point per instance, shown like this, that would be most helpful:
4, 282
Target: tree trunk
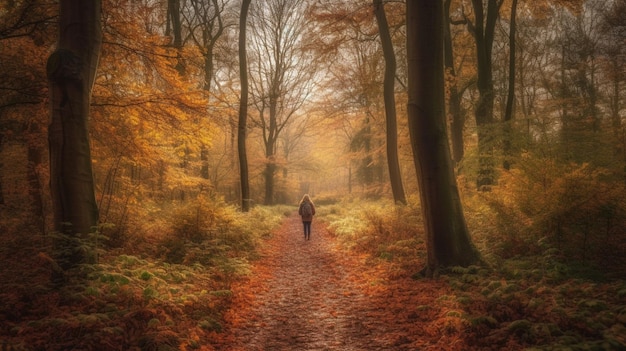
457, 119
173, 9
270, 145
35, 191
204, 160
270, 171
390, 104
447, 236
208, 68
71, 70
349, 177
243, 109
484, 34
1, 168
367, 164
510, 100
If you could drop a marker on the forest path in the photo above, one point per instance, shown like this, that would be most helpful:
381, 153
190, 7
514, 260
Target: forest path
313, 295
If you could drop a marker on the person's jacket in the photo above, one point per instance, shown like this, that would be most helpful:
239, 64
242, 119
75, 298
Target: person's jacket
307, 218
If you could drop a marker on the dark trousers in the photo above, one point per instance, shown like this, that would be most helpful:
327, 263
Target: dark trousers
307, 229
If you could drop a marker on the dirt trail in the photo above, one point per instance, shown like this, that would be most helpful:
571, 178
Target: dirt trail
310, 295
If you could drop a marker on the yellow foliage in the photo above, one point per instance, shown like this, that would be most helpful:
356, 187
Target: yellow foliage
577, 208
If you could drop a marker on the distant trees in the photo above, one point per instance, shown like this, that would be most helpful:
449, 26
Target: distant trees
357, 72
281, 72
613, 63
23, 42
362, 79
563, 88
552, 78
204, 21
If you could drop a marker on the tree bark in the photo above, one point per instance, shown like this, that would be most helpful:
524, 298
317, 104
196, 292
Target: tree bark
483, 31
390, 104
447, 236
173, 9
243, 109
35, 191
269, 173
270, 141
1, 168
510, 100
71, 70
457, 118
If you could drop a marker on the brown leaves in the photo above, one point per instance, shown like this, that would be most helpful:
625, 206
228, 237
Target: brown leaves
347, 297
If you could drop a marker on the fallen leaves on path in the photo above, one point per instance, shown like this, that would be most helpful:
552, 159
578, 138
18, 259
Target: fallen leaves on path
314, 295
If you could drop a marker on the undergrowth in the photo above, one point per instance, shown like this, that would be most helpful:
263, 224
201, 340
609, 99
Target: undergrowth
530, 295
145, 296
386, 231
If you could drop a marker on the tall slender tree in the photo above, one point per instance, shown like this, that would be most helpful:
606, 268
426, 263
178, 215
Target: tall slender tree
447, 236
243, 109
71, 69
455, 110
173, 15
390, 103
510, 99
483, 29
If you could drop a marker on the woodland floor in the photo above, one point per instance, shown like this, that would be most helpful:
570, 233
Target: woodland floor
306, 295
313, 295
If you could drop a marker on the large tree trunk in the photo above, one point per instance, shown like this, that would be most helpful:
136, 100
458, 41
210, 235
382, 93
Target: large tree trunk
1, 168
71, 70
390, 103
448, 240
243, 109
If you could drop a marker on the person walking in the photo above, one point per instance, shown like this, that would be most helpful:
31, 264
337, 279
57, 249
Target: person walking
307, 211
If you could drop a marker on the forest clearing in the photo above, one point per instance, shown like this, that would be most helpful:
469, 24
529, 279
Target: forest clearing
462, 164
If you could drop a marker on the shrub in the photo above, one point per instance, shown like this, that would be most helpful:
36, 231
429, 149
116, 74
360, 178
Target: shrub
576, 209
379, 228
210, 233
